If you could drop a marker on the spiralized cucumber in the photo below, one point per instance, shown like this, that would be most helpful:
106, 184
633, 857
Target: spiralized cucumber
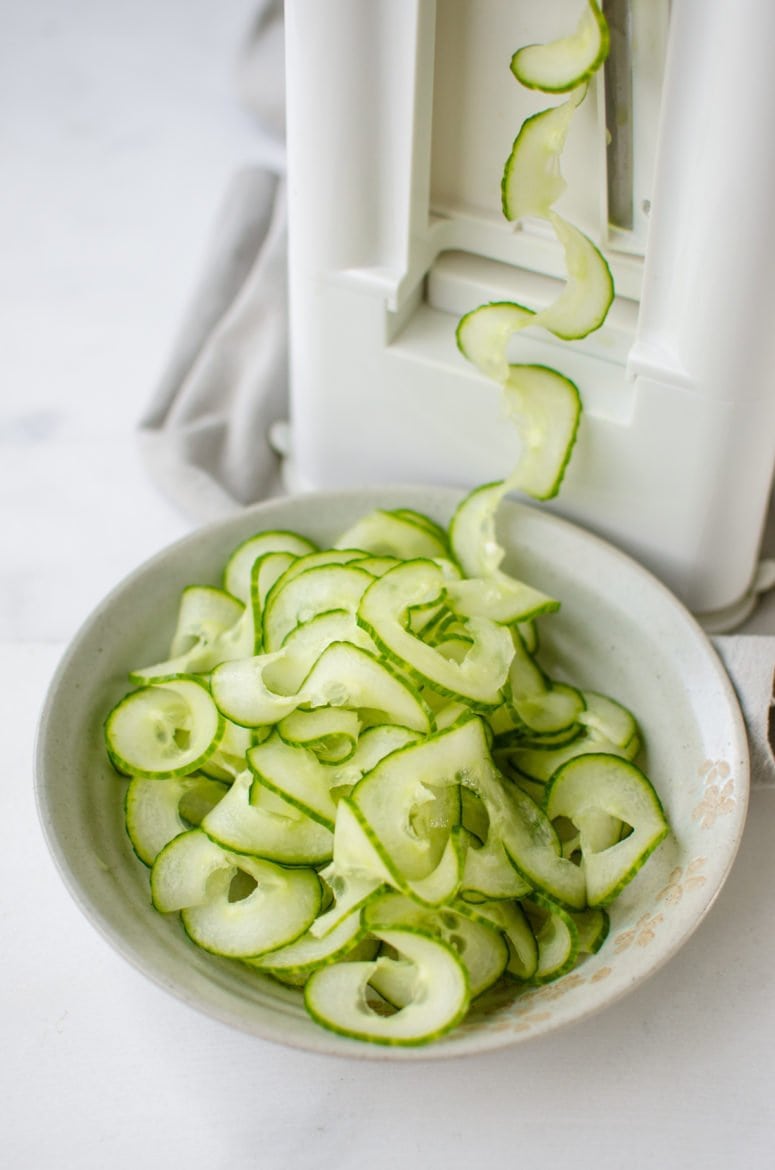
545, 405
379, 834
397, 808
569, 61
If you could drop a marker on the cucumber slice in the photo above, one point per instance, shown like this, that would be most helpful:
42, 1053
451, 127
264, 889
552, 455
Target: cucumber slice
528, 631
535, 791
337, 996
355, 873
277, 908
532, 182
487, 874
157, 811
243, 822
438, 887
555, 711
540, 705
242, 694
607, 718
362, 863
510, 919
500, 600
167, 729
592, 925
444, 626
350, 891
304, 646
563, 64
355, 852
384, 612
275, 905
188, 871
518, 734
395, 534
315, 591
206, 617
603, 783
205, 612
483, 335
557, 937
375, 566
473, 817
526, 833
481, 948
534, 848
477, 550
540, 763
330, 732
409, 803
394, 980
238, 569
324, 557
423, 521
229, 758
346, 676
504, 725
451, 714
472, 530
374, 744
546, 407
308, 952
583, 305
296, 775
266, 571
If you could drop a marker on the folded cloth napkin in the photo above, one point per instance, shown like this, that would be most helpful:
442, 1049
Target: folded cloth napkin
750, 663
205, 433
260, 68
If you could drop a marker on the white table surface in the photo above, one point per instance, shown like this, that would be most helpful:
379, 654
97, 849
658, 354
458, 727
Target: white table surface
119, 133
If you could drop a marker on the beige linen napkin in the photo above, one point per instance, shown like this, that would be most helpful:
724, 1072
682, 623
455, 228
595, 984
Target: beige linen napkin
205, 433
750, 663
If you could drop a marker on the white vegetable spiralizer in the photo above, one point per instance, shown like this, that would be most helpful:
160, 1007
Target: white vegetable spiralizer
401, 114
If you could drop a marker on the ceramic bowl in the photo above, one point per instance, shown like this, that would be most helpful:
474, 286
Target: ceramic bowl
618, 631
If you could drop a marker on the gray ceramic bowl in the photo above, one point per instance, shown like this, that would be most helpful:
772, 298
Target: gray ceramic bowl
618, 631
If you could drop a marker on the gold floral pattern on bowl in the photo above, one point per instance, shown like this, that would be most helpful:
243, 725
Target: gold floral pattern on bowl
682, 880
718, 798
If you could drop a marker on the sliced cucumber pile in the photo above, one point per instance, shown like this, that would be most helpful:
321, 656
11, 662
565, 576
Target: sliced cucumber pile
545, 405
386, 802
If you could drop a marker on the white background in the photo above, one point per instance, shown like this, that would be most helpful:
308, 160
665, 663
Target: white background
119, 130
